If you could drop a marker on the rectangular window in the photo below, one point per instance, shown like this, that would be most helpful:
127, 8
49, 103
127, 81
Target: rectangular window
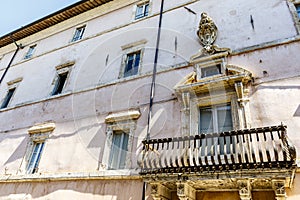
210, 71
8, 97
35, 157
60, 83
216, 119
78, 34
142, 10
132, 64
30, 52
298, 9
119, 148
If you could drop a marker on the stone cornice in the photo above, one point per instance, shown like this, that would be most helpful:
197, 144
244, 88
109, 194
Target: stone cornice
50, 20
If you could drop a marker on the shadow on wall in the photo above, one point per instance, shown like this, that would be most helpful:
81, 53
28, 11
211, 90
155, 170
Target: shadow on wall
277, 87
297, 113
18, 153
75, 189
21, 149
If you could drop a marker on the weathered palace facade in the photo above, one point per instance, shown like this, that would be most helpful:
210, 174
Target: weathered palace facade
153, 99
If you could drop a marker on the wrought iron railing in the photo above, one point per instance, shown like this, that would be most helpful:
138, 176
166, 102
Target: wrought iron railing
258, 148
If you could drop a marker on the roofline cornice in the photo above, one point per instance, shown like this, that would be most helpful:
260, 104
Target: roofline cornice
50, 20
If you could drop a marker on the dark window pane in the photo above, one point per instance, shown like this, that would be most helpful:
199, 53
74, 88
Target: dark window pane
210, 71
142, 11
224, 118
115, 149
35, 158
29, 52
8, 97
206, 120
146, 9
124, 151
132, 64
61, 80
78, 34
139, 12
137, 60
298, 10
119, 150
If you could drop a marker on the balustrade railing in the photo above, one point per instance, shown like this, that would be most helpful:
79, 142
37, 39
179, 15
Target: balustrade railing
258, 148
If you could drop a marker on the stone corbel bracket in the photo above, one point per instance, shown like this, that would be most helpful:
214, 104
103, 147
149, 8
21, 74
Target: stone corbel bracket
244, 189
185, 191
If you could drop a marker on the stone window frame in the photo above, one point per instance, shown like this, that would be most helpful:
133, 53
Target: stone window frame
138, 46
38, 133
292, 7
228, 87
62, 69
141, 3
125, 121
13, 84
214, 100
30, 52
78, 38
210, 63
32, 169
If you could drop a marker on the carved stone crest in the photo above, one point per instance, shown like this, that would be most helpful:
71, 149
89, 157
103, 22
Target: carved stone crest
207, 33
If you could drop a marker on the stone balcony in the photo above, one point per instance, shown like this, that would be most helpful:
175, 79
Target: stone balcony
242, 160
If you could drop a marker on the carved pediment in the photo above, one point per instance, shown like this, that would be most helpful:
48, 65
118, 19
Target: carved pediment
231, 75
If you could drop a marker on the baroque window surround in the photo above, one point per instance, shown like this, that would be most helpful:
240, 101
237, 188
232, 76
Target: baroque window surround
228, 87
37, 134
121, 121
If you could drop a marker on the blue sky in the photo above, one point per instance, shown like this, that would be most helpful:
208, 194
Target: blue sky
17, 13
